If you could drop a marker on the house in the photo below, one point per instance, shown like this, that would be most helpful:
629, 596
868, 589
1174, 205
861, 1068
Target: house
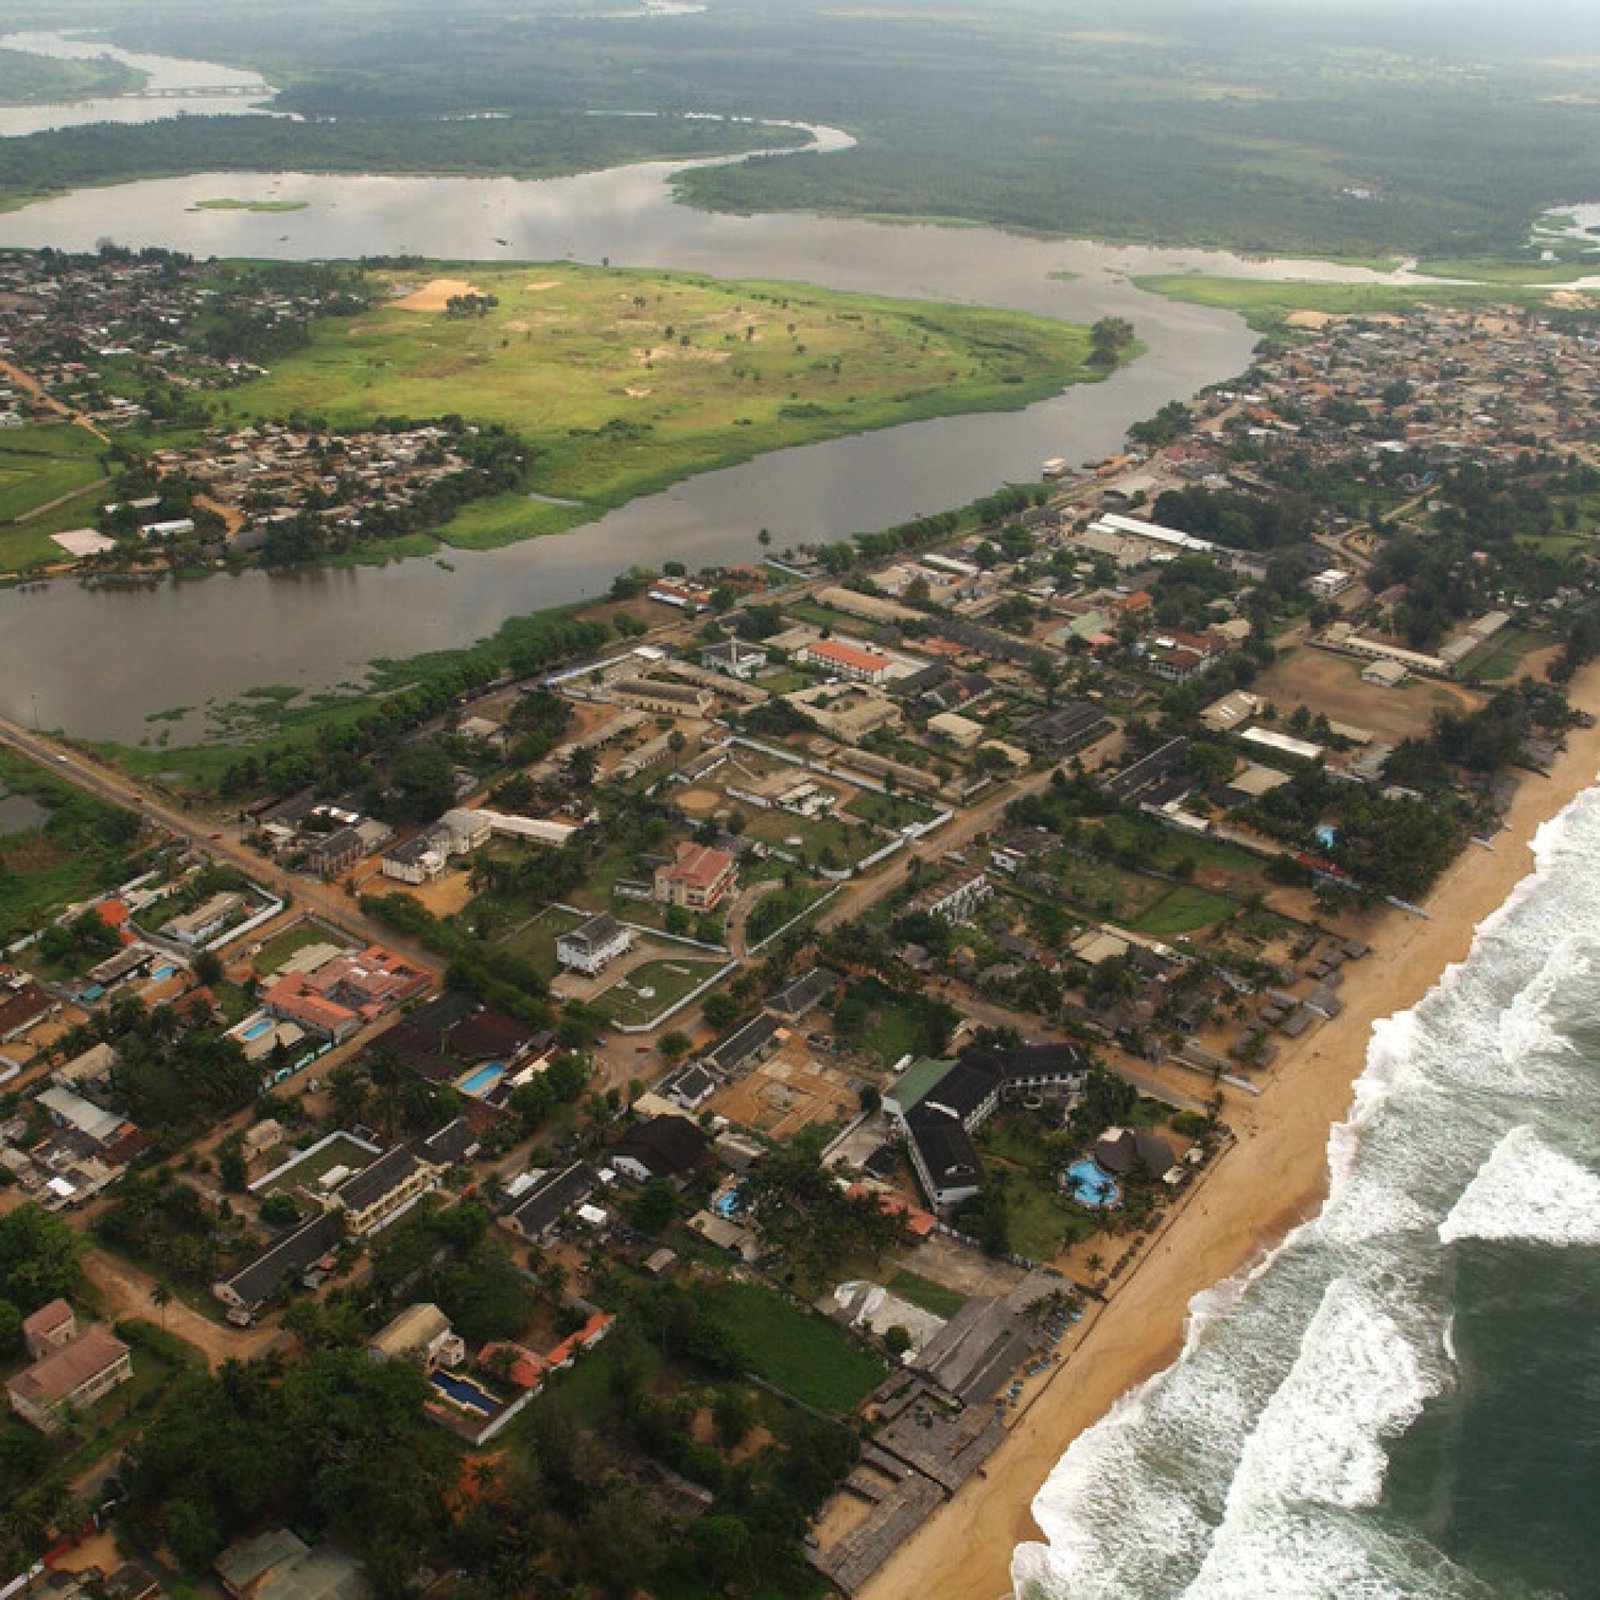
663, 1147
1059, 733
335, 852
380, 1192
689, 1087
417, 860
1385, 674
421, 1332
1119, 1151
953, 728
535, 1209
285, 1258
749, 1043
49, 1328
593, 945
956, 899
207, 919
849, 661
279, 1566
23, 1003
697, 878
734, 659
810, 989
69, 1378
462, 831
1328, 584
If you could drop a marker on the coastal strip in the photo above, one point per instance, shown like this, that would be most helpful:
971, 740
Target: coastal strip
1275, 1178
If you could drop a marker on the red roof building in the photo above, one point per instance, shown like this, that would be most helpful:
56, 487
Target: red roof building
848, 660
698, 879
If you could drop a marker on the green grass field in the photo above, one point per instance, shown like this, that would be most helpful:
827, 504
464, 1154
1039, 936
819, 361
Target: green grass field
802, 1354
920, 1291
1266, 306
625, 381
668, 980
1183, 910
38, 467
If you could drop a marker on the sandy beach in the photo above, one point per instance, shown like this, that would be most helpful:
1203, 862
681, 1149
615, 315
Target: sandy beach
1273, 1179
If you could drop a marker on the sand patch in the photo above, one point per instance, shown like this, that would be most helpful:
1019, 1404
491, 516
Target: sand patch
638, 394
517, 326
1312, 319
678, 352
699, 802
539, 288
434, 295
1570, 300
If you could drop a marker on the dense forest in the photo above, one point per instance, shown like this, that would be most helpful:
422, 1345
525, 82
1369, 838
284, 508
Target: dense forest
1276, 127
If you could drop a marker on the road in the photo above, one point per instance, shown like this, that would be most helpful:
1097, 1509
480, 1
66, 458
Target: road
210, 834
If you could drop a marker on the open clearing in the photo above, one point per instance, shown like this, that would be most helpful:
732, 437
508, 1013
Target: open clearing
624, 381
50, 480
1331, 684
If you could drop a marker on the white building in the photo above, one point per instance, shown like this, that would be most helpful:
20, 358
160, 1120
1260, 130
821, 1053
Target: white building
594, 945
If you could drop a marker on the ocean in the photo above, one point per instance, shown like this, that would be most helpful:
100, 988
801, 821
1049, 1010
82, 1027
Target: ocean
1403, 1402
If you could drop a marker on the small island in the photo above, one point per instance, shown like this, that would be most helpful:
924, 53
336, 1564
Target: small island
269, 206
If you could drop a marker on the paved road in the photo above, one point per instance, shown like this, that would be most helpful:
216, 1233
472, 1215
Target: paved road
212, 834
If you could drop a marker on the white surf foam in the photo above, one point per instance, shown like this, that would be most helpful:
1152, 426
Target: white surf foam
1527, 1191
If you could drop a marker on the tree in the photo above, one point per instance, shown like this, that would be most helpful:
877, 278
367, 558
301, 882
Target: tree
674, 1046
654, 1206
161, 1298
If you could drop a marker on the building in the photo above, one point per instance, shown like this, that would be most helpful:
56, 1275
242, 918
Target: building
335, 852
734, 659
1385, 674
380, 1192
207, 919
1059, 733
417, 860
663, 1147
850, 661
49, 1328
593, 945
422, 1333
663, 699
1329, 584
698, 877
69, 1378
537, 1206
285, 1259
848, 714
957, 898
955, 729
279, 1566
1120, 1151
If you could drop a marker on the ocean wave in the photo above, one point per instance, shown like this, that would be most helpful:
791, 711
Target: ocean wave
1527, 1192
1254, 1468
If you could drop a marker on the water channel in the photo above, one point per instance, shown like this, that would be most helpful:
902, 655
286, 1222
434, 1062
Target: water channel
99, 661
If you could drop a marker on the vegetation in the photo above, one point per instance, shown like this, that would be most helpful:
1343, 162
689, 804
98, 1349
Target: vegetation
618, 382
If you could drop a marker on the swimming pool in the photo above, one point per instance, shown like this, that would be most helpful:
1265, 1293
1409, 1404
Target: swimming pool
464, 1392
260, 1026
162, 972
1089, 1186
479, 1082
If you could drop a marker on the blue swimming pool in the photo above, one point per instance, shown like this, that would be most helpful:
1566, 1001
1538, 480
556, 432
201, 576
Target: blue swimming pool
1089, 1186
479, 1082
260, 1026
726, 1204
464, 1393
162, 972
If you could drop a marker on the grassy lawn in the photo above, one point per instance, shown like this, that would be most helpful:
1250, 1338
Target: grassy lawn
819, 841
305, 1172
920, 1291
1105, 890
893, 811
1266, 306
624, 381
776, 911
536, 942
1182, 910
1502, 655
291, 941
669, 980
40, 465
801, 1353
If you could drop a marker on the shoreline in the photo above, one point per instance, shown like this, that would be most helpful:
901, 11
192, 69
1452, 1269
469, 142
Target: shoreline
1276, 1177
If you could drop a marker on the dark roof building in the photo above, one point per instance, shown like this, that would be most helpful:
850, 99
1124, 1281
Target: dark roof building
535, 1211
1120, 1150
808, 990
287, 1257
663, 1147
745, 1046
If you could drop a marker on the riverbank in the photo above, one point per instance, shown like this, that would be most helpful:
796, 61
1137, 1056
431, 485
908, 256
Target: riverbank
1275, 1178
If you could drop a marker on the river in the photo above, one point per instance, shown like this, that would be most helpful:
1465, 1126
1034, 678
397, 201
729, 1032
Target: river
99, 662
